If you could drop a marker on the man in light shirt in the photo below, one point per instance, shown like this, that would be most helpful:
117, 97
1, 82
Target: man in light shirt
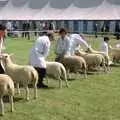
37, 55
75, 40
62, 46
104, 45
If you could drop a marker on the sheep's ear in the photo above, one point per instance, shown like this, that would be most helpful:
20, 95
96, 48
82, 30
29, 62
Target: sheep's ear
11, 54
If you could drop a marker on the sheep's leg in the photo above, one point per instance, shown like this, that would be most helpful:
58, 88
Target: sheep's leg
1, 106
66, 82
47, 80
85, 73
18, 88
68, 73
108, 68
77, 74
60, 82
105, 68
27, 92
99, 70
35, 91
11, 103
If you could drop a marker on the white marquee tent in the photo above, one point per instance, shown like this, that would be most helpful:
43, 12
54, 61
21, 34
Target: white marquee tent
59, 9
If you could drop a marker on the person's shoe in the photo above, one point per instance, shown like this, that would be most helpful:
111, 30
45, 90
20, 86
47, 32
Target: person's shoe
42, 86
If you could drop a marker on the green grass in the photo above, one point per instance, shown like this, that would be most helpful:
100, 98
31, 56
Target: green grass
95, 98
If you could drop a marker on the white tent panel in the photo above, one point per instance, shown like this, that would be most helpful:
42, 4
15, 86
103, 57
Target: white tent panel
60, 10
48, 13
105, 11
8, 12
75, 13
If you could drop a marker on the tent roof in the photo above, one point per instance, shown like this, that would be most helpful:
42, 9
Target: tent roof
59, 10
105, 11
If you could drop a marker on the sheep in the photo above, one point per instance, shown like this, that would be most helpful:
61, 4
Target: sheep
56, 70
92, 60
6, 88
115, 53
20, 74
74, 64
106, 56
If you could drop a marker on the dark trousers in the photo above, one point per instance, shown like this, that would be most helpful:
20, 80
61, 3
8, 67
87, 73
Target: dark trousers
1, 69
41, 74
26, 34
58, 58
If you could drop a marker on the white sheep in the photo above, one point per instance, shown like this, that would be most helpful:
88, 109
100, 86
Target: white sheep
6, 88
56, 70
20, 74
74, 63
106, 56
115, 53
92, 60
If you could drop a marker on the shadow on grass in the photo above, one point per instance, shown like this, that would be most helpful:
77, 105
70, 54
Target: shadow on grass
115, 65
91, 73
47, 88
71, 79
15, 99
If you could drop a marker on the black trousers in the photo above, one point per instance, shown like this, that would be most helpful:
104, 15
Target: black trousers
41, 74
1, 69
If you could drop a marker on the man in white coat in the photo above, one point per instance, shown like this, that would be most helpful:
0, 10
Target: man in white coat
37, 55
75, 40
104, 45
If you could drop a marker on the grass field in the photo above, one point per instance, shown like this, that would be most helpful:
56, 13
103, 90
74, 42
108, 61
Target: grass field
94, 98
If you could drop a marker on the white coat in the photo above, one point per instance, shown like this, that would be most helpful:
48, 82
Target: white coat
39, 52
75, 40
104, 47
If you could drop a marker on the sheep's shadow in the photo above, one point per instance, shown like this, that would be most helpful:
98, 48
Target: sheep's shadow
71, 79
115, 65
47, 88
15, 99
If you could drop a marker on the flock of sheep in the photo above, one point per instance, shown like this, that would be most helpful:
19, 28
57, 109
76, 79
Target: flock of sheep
26, 74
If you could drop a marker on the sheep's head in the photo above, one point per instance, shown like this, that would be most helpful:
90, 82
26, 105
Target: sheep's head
77, 52
89, 50
109, 46
5, 57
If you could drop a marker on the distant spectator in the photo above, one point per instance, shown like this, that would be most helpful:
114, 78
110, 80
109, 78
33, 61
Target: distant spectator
34, 27
23, 29
26, 28
9, 27
46, 26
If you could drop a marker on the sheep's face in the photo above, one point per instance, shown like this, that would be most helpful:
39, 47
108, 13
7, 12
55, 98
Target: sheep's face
5, 57
77, 52
88, 50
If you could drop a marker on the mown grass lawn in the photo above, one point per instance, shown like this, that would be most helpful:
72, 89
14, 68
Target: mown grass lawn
94, 98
